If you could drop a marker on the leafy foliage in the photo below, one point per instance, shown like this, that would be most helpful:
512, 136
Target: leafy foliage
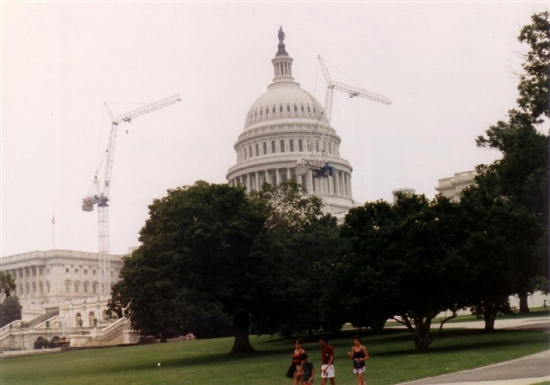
7, 283
406, 262
10, 310
520, 177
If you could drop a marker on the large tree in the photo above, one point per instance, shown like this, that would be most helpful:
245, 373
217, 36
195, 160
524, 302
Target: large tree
499, 234
198, 243
409, 253
520, 177
305, 241
10, 310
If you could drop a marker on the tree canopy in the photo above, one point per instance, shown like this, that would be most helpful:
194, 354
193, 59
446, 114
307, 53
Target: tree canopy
520, 177
7, 283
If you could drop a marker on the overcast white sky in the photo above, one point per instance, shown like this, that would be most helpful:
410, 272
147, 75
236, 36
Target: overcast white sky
449, 69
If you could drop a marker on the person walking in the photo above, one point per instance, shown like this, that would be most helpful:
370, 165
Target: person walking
359, 355
295, 370
327, 361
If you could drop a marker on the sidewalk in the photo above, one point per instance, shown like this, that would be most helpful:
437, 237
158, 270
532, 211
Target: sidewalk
522, 371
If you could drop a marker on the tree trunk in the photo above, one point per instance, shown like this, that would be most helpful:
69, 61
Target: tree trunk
489, 322
523, 305
490, 312
241, 344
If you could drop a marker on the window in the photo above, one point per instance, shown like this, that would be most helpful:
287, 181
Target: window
295, 108
67, 286
282, 146
273, 147
330, 147
76, 270
85, 271
265, 148
300, 145
250, 151
257, 149
302, 108
281, 108
317, 146
288, 108
291, 145
66, 270
273, 109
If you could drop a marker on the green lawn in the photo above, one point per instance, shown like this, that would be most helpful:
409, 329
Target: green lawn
204, 362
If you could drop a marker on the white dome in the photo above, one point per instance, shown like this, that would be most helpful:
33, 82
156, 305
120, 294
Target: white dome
284, 100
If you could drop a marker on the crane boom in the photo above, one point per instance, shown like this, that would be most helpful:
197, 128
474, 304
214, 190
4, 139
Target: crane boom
100, 196
350, 90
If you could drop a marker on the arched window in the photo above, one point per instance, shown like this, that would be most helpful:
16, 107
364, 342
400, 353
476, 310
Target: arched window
257, 149
330, 147
300, 145
273, 149
282, 146
291, 145
317, 146
265, 148
250, 151
91, 319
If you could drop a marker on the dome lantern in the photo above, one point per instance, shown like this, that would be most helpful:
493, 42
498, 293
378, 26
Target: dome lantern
282, 63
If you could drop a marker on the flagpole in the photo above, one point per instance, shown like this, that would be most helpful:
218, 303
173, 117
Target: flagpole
53, 231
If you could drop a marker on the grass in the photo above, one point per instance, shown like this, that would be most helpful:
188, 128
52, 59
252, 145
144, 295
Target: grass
205, 362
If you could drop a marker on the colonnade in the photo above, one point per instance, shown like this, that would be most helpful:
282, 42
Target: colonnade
338, 184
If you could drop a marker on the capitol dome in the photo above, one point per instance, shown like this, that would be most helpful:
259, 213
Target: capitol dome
287, 136
284, 100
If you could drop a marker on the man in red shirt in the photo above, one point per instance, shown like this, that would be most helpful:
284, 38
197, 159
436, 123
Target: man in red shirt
327, 360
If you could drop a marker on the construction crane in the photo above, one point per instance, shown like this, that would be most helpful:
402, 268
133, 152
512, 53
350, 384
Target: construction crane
100, 194
350, 90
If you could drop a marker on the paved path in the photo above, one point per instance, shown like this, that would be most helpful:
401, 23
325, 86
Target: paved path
522, 371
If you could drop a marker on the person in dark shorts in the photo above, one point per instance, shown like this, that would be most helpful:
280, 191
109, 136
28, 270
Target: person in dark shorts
297, 362
359, 355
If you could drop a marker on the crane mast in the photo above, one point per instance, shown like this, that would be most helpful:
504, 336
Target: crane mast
350, 90
100, 194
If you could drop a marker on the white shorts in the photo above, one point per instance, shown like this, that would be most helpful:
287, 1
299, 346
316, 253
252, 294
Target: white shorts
327, 371
359, 370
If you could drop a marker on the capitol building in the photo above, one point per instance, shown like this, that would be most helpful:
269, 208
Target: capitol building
287, 136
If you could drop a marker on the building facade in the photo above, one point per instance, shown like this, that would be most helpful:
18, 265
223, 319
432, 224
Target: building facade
286, 136
47, 279
452, 187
